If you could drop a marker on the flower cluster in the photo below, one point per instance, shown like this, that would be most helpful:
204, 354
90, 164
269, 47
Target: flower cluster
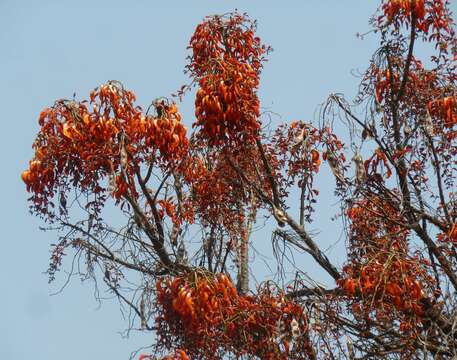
431, 16
218, 193
391, 282
297, 143
445, 109
226, 62
226, 106
204, 315
428, 92
79, 146
403, 9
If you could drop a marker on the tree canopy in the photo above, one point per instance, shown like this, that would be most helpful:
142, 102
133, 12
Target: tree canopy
182, 259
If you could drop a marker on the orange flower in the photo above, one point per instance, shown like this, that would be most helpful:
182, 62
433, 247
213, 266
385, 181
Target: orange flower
452, 234
315, 158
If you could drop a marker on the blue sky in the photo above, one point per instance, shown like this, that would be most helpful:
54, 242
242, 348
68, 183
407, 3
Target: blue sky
51, 49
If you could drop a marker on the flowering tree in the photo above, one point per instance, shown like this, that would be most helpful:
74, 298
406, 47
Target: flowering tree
395, 176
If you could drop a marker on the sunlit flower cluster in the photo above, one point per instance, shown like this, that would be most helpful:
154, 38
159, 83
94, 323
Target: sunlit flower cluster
82, 143
391, 282
226, 62
205, 313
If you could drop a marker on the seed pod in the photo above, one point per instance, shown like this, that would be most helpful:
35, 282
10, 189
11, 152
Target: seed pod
360, 173
124, 157
334, 166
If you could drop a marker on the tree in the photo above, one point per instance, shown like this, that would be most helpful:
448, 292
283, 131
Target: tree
396, 295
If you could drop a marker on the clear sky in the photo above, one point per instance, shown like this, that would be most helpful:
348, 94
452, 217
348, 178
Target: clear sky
51, 49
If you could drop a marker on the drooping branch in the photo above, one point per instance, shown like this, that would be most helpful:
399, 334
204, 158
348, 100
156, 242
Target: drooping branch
312, 247
157, 243
110, 256
439, 180
409, 58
